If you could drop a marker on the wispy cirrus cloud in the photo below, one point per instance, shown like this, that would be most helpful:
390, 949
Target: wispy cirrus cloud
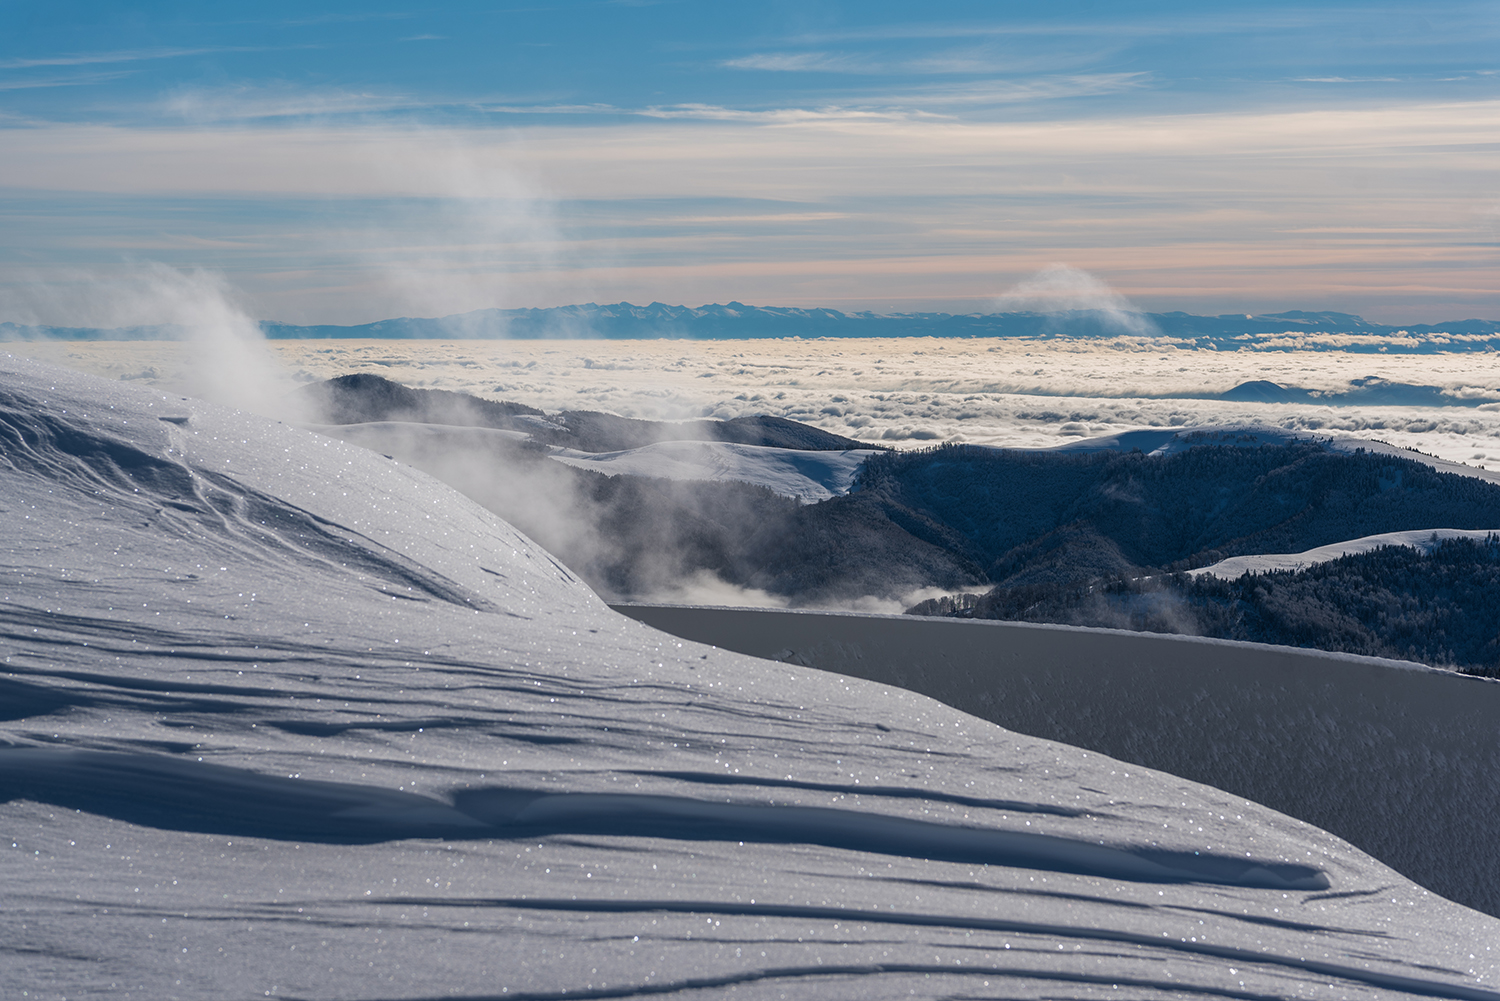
74, 80
806, 62
551, 109
1016, 91
121, 56
1346, 79
828, 153
710, 112
339, 18
985, 60
250, 104
773, 116
1212, 22
912, 105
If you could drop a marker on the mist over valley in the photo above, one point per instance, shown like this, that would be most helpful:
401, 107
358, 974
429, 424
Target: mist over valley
766, 511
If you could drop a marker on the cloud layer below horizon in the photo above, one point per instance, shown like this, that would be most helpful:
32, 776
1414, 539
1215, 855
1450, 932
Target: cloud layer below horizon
906, 392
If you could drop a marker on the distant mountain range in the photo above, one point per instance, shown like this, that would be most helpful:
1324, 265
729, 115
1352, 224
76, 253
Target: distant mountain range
1295, 329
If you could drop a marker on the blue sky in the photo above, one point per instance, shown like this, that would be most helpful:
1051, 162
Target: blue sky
344, 162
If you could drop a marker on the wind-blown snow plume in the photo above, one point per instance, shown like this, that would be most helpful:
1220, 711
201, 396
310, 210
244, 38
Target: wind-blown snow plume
471, 245
230, 364
227, 361
1059, 288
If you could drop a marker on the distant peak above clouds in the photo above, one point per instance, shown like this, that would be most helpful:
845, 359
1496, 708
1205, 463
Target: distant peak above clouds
736, 320
1291, 330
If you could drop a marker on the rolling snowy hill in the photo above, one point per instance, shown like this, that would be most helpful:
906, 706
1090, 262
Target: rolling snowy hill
1267, 562
286, 718
807, 476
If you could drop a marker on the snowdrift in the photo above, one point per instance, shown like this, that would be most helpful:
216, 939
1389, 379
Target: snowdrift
283, 717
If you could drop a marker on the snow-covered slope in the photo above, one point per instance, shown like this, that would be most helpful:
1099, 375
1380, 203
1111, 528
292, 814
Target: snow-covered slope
808, 476
1397, 758
1237, 566
283, 717
1171, 440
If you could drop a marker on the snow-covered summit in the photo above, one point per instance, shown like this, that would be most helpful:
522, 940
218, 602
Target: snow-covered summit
283, 717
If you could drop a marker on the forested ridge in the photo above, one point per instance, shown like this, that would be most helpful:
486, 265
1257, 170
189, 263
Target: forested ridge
1440, 607
1089, 538
1039, 527
1038, 517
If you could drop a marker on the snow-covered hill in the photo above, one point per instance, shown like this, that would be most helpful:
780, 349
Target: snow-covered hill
808, 476
283, 717
1171, 441
1237, 566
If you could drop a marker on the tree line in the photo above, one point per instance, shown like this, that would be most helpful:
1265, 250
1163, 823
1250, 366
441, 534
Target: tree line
1440, 607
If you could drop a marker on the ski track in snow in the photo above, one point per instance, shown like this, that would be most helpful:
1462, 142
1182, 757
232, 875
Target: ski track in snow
283, 717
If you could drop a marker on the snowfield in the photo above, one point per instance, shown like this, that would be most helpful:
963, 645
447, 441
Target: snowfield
286, 718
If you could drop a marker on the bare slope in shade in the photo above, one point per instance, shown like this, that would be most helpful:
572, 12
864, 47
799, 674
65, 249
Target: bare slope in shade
287, 718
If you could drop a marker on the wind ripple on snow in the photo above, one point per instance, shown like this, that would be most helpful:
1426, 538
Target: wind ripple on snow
849, 916
212, 507
527, 813
186, 795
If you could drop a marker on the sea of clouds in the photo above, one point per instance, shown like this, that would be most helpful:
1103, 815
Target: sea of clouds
909, 392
